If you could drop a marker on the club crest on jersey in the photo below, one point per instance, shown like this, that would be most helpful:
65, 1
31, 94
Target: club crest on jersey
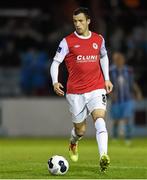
95, 46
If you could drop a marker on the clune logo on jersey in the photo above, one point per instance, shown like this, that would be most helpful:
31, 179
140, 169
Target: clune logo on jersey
87, 58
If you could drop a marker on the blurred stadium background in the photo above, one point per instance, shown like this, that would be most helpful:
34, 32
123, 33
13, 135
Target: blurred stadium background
29, 35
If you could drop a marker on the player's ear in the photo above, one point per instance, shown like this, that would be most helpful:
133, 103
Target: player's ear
88, 21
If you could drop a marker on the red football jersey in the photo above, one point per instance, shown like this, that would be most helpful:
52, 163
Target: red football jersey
83, 64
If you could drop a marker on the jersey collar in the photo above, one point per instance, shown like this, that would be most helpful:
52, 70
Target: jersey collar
82, 37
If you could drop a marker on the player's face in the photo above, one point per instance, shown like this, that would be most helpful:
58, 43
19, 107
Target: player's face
81, 24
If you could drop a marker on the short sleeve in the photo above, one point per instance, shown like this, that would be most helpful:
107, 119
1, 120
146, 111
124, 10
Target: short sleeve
62, 51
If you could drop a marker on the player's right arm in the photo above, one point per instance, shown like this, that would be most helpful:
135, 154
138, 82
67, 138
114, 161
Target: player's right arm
54, 74
61, 52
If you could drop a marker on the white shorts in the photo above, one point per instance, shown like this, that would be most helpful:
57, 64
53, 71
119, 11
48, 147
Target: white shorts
81, 105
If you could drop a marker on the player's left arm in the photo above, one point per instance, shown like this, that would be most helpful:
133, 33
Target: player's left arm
104, 62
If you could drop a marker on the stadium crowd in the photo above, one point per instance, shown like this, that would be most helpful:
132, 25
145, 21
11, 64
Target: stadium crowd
29, 37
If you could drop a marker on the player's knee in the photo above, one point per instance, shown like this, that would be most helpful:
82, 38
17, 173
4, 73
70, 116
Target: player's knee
96, 114
99, 116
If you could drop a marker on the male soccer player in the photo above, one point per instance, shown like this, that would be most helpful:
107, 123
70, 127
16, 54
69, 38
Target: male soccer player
88, 82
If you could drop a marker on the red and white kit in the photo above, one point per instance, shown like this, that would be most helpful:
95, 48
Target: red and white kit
82, 58
87, 64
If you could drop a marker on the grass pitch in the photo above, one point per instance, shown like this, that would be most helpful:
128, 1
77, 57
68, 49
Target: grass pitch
27, 159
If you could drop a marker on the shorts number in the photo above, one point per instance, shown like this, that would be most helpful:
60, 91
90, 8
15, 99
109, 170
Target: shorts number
104, 98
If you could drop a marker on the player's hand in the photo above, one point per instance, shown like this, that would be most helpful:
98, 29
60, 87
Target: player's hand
108, 86
58, 89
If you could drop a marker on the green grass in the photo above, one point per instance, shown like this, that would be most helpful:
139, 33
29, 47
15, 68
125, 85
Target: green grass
26, 158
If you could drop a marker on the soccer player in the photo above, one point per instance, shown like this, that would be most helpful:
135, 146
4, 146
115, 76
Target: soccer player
88, 82
122, 101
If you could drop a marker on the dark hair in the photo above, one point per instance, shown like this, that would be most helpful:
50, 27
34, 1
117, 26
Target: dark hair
83, 10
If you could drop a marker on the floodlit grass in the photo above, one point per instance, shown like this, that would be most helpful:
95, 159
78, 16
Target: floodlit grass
26, 158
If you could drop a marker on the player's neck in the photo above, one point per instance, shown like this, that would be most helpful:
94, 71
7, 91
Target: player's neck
85, 35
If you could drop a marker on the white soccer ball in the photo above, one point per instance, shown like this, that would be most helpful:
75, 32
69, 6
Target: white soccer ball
58, 165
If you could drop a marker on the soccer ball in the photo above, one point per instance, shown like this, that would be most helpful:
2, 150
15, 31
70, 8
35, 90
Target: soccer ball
58, 165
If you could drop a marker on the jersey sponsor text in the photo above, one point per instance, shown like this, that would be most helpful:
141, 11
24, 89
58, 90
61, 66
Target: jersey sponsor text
87, 58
